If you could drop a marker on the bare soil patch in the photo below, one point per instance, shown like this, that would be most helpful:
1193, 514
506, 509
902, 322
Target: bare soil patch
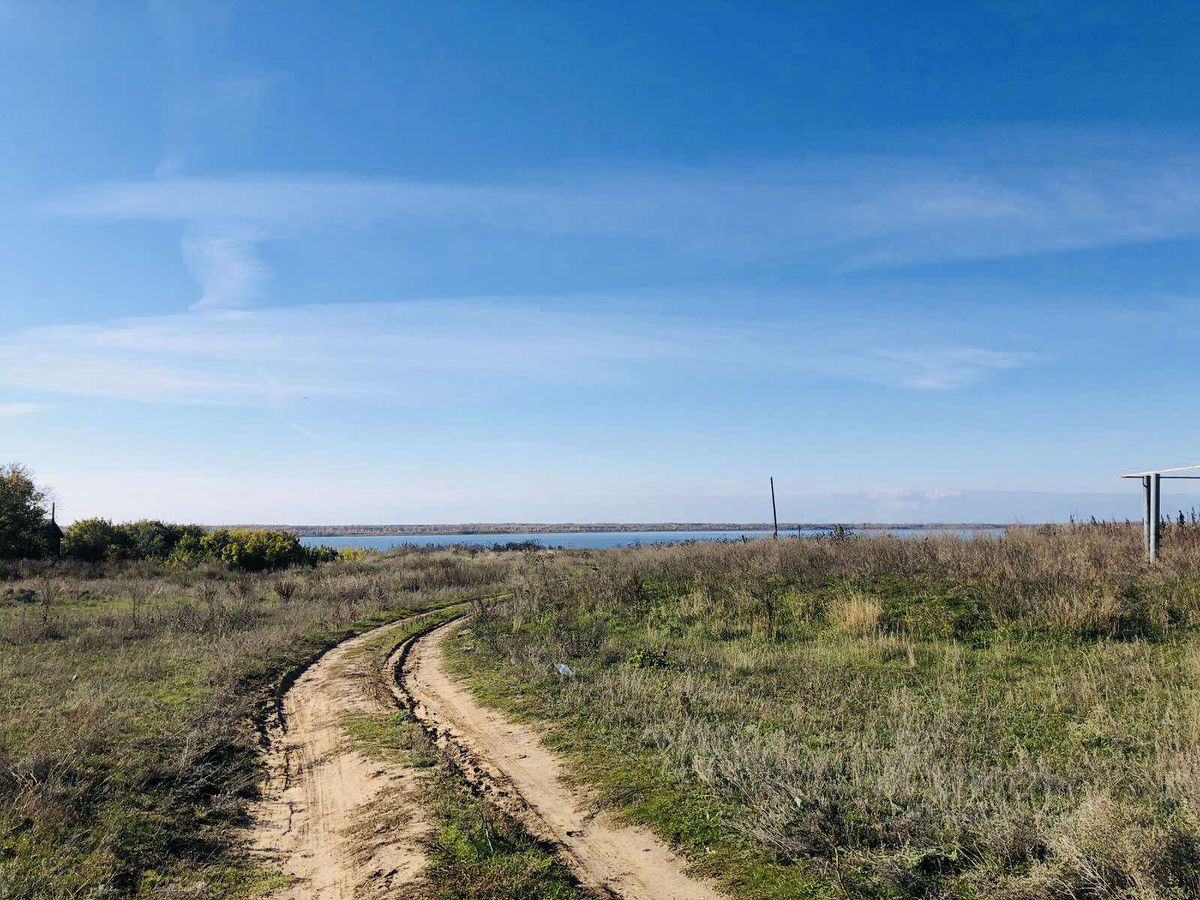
324, 793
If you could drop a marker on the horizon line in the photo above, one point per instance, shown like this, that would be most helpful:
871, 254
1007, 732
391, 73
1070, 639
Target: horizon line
465, 528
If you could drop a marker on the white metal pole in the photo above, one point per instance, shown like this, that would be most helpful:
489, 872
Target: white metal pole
1156, 514
1146, 518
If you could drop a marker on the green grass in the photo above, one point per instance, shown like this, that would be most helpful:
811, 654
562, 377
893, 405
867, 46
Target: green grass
633, 780
395, 736
387, 738
805, 721
477, 853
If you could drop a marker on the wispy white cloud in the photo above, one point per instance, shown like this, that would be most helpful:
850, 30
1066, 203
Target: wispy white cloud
932, 204
945, 368
434, 348
227, 268
887, 503
12, 410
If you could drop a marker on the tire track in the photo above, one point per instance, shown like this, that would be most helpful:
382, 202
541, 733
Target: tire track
314, 821
507, 763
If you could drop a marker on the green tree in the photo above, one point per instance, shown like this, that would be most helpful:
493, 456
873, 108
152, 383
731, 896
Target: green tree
22, 516
151, 539
93, 540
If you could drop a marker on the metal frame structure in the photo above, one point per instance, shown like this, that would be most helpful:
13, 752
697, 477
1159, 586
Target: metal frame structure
1152, 503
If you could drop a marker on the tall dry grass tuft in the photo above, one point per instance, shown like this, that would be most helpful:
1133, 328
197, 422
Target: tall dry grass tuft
1106, 848
855, 614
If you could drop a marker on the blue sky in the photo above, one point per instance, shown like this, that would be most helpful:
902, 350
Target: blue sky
582, 262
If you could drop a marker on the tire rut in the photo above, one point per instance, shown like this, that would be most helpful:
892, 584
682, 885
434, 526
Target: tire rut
322, 792
507, 763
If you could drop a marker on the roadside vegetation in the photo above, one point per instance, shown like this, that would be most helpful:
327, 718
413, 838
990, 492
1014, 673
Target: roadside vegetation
128, 746
478, 853
1013, 717
28, 532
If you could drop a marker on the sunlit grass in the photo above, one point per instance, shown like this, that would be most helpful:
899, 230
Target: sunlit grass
877, 717
128, 749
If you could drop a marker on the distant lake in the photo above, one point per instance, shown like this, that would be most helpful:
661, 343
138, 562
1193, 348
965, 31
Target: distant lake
596, 540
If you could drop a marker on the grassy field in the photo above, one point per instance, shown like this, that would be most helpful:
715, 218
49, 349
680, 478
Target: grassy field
1011, 717
128, 745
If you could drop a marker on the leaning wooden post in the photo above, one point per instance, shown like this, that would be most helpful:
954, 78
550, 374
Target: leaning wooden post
774, 514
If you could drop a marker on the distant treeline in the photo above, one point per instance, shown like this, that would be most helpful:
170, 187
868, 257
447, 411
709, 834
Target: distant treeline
593, 527
27, 532
250, 550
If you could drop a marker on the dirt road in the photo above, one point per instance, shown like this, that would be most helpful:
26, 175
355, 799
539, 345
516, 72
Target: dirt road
509, 762
321, 819
316, 818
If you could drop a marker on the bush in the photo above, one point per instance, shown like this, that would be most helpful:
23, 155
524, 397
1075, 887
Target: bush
322, 554
99, 540
253, 550
93, 540
151, 539
242, 549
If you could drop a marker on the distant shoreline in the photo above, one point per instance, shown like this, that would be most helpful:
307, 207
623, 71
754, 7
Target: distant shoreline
592, 528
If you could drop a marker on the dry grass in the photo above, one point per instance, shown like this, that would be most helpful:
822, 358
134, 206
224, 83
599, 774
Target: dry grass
128, 752
855, 614
1011, 717
881, 717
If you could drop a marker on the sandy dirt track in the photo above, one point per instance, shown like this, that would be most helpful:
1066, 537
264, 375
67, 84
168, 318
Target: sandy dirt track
508, 761
316, 818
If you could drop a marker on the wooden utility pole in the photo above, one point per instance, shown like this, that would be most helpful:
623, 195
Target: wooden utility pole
774, 514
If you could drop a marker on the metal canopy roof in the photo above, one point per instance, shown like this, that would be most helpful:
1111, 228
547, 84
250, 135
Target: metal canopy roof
1163, 472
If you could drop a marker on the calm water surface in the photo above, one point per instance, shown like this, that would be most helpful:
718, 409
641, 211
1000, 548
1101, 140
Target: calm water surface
590, 539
